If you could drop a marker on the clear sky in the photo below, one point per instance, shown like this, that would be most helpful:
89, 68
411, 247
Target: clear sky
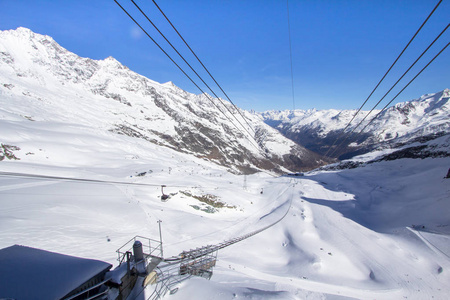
341, 48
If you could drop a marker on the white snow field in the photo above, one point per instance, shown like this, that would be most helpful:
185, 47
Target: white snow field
380, 231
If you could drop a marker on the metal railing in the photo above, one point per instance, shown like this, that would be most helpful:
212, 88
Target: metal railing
87, 292
151, 248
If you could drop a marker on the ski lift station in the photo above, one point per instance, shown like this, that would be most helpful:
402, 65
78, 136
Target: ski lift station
29, 273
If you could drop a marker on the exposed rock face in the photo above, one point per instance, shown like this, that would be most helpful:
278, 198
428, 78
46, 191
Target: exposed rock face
42, 80
422, 119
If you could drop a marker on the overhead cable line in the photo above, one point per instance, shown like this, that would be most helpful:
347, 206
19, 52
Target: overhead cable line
60, 178
403, 75
96, 181
442, 50
198, 59
290, 56
420, 56
182, 57
384, 76
404, 88
193, 82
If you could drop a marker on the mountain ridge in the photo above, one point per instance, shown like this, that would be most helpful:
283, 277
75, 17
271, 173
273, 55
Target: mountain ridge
402, 123
38, 76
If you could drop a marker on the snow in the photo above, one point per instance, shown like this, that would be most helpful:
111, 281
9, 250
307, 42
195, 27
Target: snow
322, 121
42, 81
348, 234
379, 231
426, 115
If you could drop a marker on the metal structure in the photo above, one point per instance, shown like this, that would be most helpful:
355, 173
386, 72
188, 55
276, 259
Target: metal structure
169, 274
200, 266
145, 264
137, 260
151, 248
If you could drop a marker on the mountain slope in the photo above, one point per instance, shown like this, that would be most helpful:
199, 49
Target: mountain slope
41, 81
419, 119
380, 231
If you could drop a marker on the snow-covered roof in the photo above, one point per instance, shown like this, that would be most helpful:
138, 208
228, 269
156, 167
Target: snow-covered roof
29, 273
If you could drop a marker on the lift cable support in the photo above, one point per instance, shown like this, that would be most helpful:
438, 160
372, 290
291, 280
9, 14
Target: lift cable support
198, 59
254, 143
381, 80
137, 259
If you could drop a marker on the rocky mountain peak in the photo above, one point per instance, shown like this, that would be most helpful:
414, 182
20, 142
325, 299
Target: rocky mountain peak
41, 79
424, 118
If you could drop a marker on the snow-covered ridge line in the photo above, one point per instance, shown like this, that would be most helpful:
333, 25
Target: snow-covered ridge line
353, 233
43, 81
317, 130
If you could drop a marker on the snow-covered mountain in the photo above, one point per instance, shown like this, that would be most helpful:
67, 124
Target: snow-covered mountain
43, 82
379, 231
421, 119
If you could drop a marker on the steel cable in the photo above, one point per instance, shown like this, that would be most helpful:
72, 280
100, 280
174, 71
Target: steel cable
384, 76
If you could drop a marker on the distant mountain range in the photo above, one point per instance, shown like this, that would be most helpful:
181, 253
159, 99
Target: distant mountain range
417, 120
43, 82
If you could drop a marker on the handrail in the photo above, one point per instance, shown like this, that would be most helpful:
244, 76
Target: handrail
89, 289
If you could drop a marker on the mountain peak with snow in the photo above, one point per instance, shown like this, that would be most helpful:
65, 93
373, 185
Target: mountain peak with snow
317, 130
21, 31
45, 81
86, 147
111, 62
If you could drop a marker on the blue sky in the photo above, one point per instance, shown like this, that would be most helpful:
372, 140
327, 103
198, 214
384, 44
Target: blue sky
341, 49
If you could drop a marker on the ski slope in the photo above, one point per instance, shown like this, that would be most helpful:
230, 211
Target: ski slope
345, 237
376, 232
379, 231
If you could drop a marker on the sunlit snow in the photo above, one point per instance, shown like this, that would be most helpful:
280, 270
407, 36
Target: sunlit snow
379, 231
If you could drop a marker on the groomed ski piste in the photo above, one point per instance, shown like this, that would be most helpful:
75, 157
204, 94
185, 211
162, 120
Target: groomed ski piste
379, 231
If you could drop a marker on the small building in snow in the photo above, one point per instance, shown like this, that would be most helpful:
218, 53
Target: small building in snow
30, 273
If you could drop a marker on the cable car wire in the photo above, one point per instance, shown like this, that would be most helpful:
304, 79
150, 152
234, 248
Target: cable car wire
84, 180
384, 76
198, 59
420, 56
193, 82
373, 108
384, 108
290, 56
348, 135
189, 65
